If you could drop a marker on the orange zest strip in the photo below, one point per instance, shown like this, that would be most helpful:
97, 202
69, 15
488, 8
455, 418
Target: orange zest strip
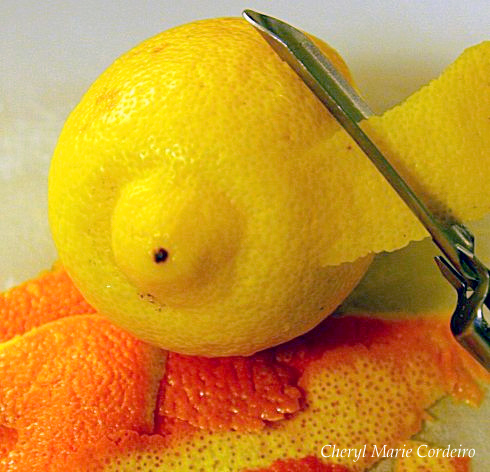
50, 296
364, 382
70, 383
125, 444
8, 439
232, 393
308, 464
80, 394
404, 344
124, 449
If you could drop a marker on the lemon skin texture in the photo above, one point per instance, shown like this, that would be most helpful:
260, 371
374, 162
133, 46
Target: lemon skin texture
182, 200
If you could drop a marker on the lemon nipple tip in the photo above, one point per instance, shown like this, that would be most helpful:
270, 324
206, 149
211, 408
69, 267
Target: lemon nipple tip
179, 239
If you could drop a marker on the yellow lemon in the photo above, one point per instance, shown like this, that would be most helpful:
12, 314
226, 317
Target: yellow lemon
202, 198
180, 201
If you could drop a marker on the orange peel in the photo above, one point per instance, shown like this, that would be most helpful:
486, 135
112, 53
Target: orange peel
50, 296
367, 381
308, 464
230, 393
71, 382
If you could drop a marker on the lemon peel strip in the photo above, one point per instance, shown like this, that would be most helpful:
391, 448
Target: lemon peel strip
438, 140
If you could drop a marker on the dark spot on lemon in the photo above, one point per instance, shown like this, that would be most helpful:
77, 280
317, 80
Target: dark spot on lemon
160, 255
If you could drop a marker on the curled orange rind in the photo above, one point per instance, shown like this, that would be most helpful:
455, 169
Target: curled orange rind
70, 383
78, 393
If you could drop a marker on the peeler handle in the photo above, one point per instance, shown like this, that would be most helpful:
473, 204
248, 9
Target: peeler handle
468, 324
476, 339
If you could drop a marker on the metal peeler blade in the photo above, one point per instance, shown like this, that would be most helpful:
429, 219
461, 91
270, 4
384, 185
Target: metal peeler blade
459, 264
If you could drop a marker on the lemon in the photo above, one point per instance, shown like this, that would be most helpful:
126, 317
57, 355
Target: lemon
200, 195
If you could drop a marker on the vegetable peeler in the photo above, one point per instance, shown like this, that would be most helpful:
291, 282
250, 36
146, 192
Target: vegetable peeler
458, 264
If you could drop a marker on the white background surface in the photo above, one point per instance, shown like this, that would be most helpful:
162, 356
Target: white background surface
54, 43
50, 52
